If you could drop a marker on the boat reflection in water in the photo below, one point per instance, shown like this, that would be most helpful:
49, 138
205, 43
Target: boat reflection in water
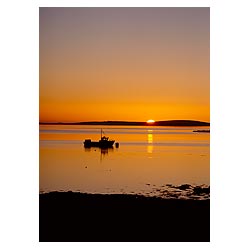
103, 151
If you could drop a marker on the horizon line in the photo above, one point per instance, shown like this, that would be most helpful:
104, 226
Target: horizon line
99, 121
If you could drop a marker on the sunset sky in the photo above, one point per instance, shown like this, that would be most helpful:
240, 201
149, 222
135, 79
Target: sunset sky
130, 64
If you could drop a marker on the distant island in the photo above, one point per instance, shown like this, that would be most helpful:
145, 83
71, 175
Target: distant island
177, 123
202, 131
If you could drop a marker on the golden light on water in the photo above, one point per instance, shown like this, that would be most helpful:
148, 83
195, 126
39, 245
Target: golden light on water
150, 141
150, 136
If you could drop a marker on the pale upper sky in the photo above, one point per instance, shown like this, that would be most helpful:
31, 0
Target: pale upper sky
129, 64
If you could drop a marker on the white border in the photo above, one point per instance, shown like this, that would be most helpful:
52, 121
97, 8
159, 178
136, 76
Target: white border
229, 124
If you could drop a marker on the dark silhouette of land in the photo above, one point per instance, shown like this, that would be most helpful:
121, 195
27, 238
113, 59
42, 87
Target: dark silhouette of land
176, 123
68, 216
202, 131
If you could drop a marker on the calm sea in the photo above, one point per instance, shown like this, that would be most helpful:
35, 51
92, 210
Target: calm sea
148, 158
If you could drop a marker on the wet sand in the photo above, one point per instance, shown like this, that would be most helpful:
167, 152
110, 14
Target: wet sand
78, 217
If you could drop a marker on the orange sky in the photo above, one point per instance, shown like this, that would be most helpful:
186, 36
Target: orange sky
129, 64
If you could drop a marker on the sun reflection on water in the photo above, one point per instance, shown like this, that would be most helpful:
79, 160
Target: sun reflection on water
150, 141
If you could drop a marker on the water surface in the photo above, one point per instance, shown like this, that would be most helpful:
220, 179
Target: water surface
148, 160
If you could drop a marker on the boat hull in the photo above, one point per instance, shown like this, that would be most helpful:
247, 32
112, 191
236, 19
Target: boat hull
98, 144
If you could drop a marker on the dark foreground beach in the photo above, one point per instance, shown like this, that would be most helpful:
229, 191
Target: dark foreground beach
69, 216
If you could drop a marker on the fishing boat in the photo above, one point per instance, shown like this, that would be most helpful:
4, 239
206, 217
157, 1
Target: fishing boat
104, 142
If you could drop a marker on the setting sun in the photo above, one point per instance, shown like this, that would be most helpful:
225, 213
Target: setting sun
150, 121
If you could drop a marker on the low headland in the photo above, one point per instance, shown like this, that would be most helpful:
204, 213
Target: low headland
202, 131
80, 217
176, 123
